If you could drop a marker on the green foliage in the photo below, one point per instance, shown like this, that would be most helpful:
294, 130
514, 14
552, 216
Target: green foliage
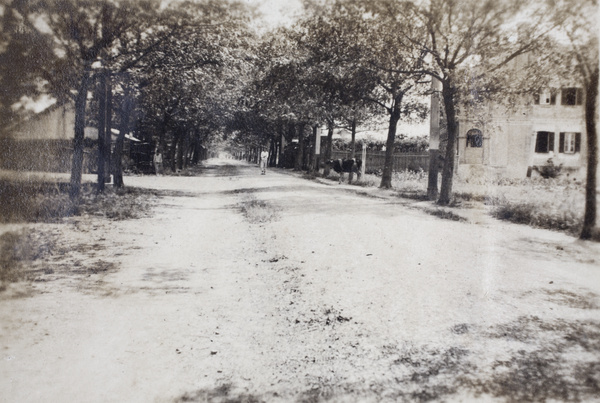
402, 144
540, 216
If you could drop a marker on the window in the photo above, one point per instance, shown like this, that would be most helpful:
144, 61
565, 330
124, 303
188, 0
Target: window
571, 96
544, 142
474, 138
569, 143
546, 97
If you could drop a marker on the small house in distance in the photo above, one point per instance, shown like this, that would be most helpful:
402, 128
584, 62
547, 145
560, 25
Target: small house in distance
43, 142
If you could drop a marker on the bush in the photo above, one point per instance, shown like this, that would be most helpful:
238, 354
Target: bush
540, 216
549, 170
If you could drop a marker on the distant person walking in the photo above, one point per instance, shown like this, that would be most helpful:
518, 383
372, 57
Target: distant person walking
158, 162
264, 156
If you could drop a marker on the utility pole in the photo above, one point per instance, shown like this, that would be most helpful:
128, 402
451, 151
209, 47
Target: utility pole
434, 139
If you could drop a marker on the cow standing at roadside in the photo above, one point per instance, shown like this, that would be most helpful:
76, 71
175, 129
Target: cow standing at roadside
342, 166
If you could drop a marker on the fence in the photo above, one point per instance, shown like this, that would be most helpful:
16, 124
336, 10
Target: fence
402, 161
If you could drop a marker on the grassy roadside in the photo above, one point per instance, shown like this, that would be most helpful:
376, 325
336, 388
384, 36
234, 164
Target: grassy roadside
553, 203
48, 202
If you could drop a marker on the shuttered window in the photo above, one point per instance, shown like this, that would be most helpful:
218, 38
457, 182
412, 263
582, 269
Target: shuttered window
544, 142
571, 96
569, 142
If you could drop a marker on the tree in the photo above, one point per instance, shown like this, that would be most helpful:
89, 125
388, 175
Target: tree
396, 63
78, 32
190, 83
467, 42
22, 77
334, 37
578, 21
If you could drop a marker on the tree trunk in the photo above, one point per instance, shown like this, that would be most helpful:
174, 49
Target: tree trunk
123, 129
313, 156
173, 151
181, 149
76, 167
272, 151
591, 96
388, 166
300, 151
448, 168
328, 142
432, 177
198, 150
281, 146
108, 137
434, 141
353, 140
101, 91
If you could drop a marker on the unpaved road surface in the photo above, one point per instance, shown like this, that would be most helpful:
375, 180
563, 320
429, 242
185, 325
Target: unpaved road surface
244, 287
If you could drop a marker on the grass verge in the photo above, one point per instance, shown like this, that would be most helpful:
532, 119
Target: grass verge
50, 202
17, 249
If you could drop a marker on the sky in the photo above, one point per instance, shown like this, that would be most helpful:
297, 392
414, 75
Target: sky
277, 12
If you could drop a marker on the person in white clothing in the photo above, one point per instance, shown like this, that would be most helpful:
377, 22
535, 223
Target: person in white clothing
264, 156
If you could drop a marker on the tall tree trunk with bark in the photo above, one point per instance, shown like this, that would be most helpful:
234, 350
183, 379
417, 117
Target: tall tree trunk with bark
448, 92
77, 165
108, 137
388, 166
591, 99
101, 97
119, 145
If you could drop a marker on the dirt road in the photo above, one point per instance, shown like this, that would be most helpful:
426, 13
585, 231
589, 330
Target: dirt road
244, 287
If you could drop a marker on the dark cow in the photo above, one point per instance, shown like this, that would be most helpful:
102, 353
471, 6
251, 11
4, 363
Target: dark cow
341, 166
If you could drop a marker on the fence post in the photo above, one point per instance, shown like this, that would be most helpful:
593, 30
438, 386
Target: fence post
364, 161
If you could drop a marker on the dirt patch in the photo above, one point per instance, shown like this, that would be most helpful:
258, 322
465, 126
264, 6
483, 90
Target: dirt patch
445, 214
41, 255
425, 370
221, 394
549, 366
18, 250
258, 211
579, 301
